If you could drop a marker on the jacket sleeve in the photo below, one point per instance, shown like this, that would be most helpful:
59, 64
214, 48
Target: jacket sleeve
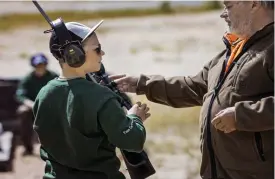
124, 131
175, 91
256, 117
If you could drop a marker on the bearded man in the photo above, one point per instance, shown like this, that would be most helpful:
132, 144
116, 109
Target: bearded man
236, 92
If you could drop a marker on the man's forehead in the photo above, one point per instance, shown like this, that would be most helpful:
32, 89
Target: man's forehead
227, 2
231, 2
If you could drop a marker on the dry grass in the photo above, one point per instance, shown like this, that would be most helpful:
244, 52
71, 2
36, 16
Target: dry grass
2, 46
133, 50
157, 48
24, 55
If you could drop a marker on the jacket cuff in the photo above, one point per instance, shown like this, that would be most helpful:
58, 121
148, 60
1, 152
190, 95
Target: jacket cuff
141, 85
135, 118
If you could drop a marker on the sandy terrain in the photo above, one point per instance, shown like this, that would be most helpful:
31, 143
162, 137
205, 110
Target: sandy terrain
167, 45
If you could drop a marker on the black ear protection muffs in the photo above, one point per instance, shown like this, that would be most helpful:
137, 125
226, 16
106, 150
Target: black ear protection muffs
71, 51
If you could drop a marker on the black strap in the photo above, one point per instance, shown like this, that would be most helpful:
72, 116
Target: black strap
61, 31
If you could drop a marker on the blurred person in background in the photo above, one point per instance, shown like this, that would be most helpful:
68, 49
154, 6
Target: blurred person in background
26, 93
236, 92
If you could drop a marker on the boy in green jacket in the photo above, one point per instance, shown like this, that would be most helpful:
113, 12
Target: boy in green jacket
80, 123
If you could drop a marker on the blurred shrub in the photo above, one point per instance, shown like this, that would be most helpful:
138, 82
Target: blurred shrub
24, 55
165, 7
213, 5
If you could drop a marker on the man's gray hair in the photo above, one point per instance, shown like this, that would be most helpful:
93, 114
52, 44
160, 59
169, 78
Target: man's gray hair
267, 4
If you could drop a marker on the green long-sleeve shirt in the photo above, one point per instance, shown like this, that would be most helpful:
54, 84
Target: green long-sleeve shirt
79, 124
30, 85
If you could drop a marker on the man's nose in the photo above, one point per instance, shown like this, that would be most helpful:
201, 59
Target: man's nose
223, 14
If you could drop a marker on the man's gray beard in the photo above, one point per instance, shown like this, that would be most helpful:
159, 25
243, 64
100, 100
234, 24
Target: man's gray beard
228, 29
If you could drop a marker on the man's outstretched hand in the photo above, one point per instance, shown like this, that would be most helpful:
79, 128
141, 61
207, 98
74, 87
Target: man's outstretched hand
125, 83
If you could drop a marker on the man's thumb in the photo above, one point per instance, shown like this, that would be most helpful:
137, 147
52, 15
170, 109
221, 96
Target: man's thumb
114, 77
121, 80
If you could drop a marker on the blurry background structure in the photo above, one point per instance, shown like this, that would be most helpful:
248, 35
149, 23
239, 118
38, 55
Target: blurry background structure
167, 38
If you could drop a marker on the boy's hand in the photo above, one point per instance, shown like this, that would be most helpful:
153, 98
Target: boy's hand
141, 110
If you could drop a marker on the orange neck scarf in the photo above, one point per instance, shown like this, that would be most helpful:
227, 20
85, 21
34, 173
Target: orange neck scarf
236, 47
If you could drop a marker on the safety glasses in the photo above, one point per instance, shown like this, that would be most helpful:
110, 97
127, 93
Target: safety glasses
98, 49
